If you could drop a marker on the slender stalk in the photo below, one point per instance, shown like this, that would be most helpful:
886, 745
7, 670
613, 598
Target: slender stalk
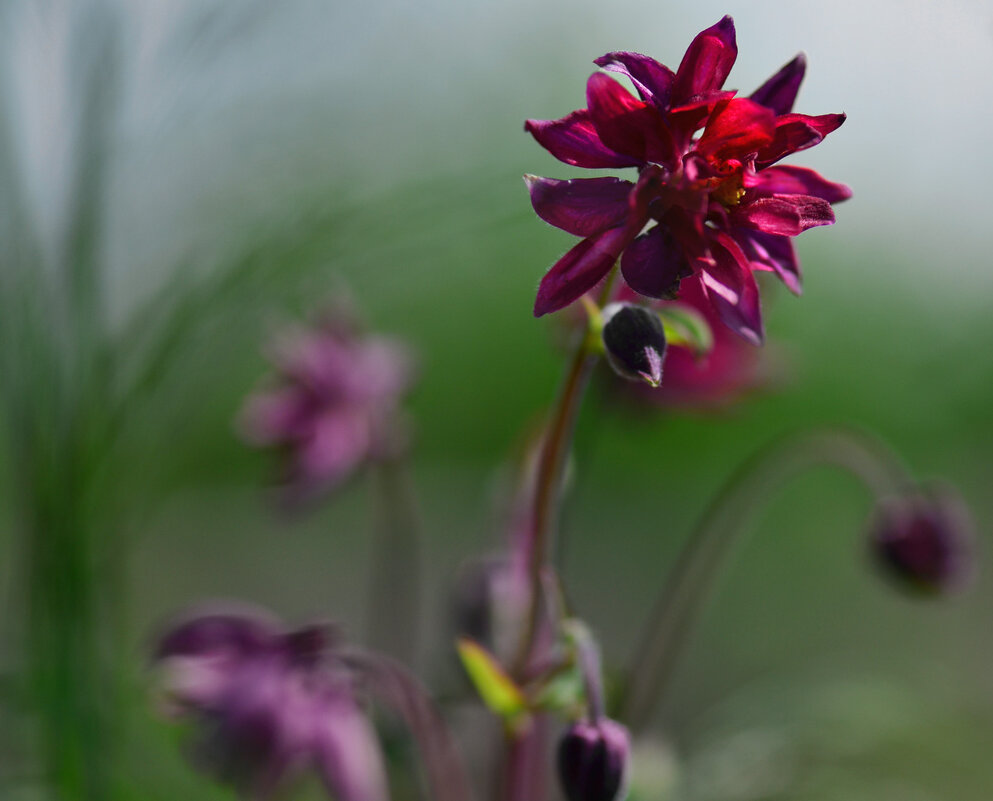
548, 479
698, 567
591, 667
524, 773
548, 488
394, 599
402, 691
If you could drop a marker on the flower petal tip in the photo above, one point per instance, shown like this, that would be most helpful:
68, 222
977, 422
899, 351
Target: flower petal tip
541, 307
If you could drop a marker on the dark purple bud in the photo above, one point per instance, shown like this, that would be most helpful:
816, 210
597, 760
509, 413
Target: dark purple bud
923, 539
634, 342
593, 759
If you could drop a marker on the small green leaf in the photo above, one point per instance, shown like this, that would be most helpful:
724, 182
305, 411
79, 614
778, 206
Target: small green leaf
564, 693
498, 691
686, 327
594, 327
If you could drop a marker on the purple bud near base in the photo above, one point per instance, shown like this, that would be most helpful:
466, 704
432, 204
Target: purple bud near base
923, 540
634, 342
593, 760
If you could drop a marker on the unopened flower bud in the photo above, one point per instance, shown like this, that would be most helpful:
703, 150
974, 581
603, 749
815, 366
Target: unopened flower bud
924, 539
490, 602
593, 760
634, 342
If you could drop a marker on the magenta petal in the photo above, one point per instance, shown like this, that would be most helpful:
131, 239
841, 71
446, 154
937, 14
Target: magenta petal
340, 441
582, 206
652, 79
653, 264
689, 117
707, 62
580, 270
779, 92
347, 752
785, 215
574, 140
737, 128
771, 252
626, 124
795, 132
790, 180
731, 289
274, 416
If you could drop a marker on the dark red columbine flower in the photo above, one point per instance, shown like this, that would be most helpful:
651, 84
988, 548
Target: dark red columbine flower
923, 539
709, 189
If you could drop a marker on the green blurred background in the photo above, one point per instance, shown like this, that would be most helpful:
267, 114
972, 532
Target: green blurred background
306, 146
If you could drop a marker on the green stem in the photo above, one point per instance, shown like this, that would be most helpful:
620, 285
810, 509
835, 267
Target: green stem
394, 601
70, 676
698, 567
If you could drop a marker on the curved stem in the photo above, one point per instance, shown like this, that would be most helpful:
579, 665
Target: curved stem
402, 692
524, 776
698, 566
548, 486
591, 667
548, 479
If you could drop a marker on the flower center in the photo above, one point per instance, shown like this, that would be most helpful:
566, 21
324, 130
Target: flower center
729, 188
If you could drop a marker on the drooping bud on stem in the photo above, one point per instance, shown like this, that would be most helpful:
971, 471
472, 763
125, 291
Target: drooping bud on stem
923, 539
593, 760
634, 342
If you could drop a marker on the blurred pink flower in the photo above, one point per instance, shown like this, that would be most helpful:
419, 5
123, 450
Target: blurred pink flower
924, 539
731, 369
268, 703
718, 206
331, 406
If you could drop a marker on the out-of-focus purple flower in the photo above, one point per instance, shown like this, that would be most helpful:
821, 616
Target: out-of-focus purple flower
924, 539
268, 703
719, 205
593, 760
331, 406
729, 370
